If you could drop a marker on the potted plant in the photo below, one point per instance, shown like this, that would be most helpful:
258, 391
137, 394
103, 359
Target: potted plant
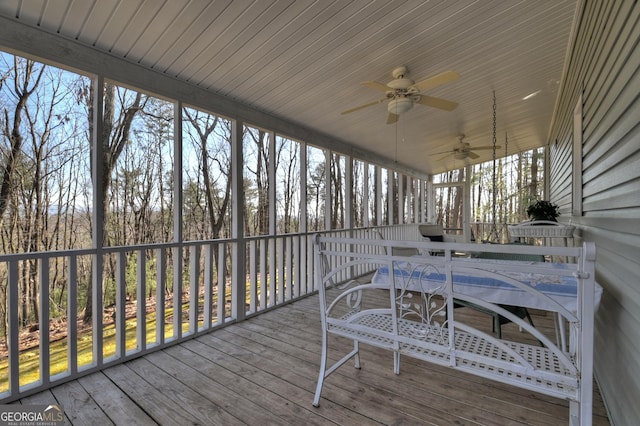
543, 210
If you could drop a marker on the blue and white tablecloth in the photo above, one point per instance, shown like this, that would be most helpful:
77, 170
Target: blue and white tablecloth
561, 288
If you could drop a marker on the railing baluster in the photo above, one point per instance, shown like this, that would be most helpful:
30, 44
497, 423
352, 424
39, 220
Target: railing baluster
14, 328
291, 267
161, 277
272, 272
208, 282
72, 315
121, 305
97, 319
302, 265
45, 356
280, 260
194, 287
141, 307
222, 287
263, 274
253, 281
310, 265
177, 293
288, 269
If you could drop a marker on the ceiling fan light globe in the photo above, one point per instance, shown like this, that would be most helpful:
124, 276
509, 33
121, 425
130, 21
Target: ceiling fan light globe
399, 105
460, 155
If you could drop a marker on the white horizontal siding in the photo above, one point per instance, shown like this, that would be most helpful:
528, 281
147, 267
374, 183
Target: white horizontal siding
604, 64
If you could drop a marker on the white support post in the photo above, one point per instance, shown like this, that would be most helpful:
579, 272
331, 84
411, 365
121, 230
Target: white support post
401, 194
238, 276
271, 177
306, 267
378, 189
303, 187
348, 192
365, 195
417, 213
431, 202
389, 197
328, 199
98, 219
177, 220
466, 205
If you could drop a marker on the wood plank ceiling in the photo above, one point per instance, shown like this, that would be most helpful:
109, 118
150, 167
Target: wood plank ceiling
304, 60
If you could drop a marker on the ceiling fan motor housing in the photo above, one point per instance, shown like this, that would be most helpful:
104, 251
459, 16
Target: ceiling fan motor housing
400, 83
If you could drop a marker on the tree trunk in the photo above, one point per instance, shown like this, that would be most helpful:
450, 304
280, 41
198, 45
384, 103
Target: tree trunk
112, 142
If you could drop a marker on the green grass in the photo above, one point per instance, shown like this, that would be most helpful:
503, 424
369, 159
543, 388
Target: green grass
29, 361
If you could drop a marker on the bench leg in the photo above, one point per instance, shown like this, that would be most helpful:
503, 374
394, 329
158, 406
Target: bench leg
396, 362
356, 350
574, 414
325, 372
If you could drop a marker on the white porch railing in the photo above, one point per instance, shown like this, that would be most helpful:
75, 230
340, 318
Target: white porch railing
134, 308
135, 311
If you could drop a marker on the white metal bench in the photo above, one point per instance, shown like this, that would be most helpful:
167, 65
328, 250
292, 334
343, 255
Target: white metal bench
417, 318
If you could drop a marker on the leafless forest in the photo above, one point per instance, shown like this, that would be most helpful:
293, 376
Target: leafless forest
48, 197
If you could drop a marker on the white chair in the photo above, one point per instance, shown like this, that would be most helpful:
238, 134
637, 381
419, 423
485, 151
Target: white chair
431, 232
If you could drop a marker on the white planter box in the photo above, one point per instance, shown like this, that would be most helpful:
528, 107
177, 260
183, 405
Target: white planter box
541, 229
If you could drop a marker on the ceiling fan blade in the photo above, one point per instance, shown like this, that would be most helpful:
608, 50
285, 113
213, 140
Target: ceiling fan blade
363, 106
437, 80
437, 103
485, 147
392, 118
472, 155
449, 151
378, 86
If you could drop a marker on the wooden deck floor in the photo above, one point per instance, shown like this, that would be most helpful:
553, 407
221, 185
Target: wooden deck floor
263, 372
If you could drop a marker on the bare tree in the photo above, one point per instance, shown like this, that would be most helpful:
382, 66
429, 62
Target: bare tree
260, 172
288, 172
26, 79
316, 195
213, 145
118, 115
337, 186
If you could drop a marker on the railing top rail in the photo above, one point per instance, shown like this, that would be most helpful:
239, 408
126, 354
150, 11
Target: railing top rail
108, 249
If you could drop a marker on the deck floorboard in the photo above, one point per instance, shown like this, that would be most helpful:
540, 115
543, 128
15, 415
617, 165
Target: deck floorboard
264, 371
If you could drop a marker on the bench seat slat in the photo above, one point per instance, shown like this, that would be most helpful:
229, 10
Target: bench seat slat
473, 354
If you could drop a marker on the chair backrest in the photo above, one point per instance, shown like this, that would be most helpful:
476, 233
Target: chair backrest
404, 251
395, 251
431, 231
511, 256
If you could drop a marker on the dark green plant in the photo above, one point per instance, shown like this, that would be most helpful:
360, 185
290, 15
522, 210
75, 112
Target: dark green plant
543, 210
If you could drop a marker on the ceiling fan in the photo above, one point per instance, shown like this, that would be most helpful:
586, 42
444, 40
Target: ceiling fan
402, 93
463, 150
